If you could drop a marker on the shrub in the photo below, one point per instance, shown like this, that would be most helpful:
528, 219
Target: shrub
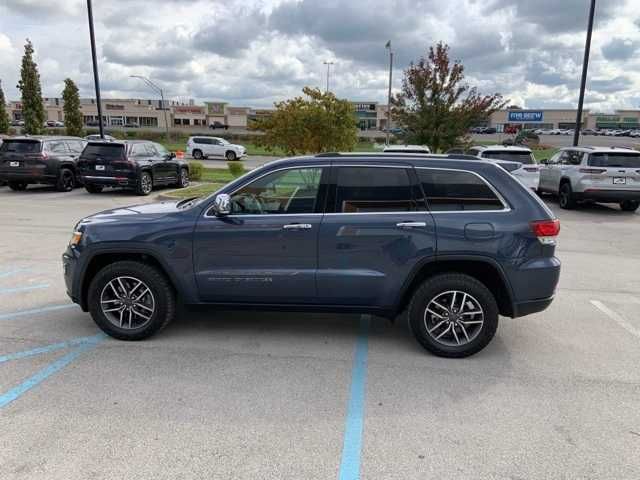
196, 170
235, 168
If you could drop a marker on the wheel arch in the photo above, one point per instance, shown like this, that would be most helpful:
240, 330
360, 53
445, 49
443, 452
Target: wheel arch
483, 269
101, 259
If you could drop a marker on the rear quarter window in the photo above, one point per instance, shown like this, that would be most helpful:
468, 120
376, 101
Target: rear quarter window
456, 190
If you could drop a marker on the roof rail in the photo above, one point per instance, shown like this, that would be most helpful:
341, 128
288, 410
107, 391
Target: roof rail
461, 156
328, 154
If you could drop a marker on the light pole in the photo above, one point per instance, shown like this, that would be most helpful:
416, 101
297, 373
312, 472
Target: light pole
161, 92
328, 64
388, 46
96, 78
585, 68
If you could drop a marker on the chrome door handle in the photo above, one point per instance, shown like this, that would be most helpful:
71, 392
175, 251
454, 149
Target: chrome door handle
297, 226
411, 224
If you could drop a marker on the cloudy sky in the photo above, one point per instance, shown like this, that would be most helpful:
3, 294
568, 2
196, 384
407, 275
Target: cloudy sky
254, 52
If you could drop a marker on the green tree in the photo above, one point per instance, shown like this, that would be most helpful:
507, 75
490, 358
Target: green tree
32, 107
4, 115
319, 122
73, 120
435, 106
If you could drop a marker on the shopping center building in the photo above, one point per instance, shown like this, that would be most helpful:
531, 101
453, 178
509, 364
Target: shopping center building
564, 119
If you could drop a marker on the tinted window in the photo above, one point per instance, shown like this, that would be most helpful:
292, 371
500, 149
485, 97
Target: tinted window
624, 160
372, 189
203, 141
57, 147
522, 157
285, 191
161, 150
150, 149
104, 151
20, 146
452, 190
75, 146
139, 150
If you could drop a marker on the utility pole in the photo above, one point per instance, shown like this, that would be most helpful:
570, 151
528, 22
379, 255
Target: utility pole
96, 77
388, 46
328, 64
585, 68
161, 92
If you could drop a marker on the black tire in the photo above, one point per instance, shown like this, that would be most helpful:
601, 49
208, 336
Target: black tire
183, 178
231, 155
629, 205
145, 184
438, 285
565, 197
66, 180
93, 188
197, 154
18, 186
163, 295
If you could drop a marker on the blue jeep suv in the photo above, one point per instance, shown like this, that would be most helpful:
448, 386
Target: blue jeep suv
452, 241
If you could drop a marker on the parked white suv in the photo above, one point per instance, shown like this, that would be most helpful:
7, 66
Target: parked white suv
202, 147
600, 174
517, 160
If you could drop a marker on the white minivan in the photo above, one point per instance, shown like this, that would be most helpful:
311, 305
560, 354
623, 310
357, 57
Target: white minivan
203, 147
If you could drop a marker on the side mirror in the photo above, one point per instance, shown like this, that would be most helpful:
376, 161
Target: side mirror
222, 205
172, 154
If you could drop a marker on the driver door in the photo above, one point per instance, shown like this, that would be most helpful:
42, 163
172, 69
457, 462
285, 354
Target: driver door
266, 250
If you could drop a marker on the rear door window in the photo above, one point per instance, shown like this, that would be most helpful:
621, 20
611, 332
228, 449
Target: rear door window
373, 189
139, 150
58, 147
620, 160
456, 190
20, 146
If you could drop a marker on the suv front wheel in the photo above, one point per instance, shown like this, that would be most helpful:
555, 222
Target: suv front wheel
131, 300
453, 315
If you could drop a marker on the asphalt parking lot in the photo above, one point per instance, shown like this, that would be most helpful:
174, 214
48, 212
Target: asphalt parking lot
224, 395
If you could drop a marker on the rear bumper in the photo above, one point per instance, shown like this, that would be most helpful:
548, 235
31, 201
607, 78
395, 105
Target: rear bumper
522, 309
27, 176
534, 284
109, 181
608, 196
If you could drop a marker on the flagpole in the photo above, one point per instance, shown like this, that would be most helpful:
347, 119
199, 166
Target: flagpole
388, 45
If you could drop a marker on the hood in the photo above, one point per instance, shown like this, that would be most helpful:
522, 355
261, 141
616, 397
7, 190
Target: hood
147, 211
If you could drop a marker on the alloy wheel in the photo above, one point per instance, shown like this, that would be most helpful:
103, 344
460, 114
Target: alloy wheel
453, 318
146, 183
127, 302
184, 176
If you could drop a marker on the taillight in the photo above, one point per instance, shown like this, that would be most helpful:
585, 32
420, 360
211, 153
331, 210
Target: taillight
595, 171
546, 230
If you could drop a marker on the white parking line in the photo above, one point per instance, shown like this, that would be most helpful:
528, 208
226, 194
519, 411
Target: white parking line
619, 319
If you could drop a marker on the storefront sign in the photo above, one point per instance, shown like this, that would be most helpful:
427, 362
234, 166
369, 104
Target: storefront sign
520, 116
189, 109
364, 107
215, 108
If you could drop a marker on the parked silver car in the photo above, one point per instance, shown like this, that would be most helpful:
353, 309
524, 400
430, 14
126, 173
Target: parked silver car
518, 160
600, 174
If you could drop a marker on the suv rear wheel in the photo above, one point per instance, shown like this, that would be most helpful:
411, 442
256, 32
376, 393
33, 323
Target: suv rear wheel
145, 184
18, 186
566, 199
629, 205
453, 315
131, 300
66, 180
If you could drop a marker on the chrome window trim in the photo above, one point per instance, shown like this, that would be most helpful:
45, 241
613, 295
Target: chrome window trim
206, 215
506, 208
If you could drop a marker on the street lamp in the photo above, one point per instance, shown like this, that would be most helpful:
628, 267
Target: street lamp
96, 78
388, 46
585, 67
160, 91
328, 64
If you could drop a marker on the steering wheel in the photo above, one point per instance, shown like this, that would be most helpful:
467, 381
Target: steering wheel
250, 202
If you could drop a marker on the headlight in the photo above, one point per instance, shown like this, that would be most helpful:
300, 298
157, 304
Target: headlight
75, 238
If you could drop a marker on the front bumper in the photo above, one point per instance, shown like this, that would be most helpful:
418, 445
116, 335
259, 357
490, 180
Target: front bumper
69, 269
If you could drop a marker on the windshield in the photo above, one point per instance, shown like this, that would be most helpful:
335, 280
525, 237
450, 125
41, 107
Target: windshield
20, 146
103, 151
624, 160
522, 157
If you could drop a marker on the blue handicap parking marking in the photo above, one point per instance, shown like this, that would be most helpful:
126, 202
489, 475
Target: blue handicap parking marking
34, 311
25, 288
352, 444
49, 348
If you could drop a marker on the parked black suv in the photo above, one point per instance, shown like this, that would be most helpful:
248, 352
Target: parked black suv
453, 242
138, 165
40, 159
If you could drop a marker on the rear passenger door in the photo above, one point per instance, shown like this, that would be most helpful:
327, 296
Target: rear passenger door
372, 236
470, 215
